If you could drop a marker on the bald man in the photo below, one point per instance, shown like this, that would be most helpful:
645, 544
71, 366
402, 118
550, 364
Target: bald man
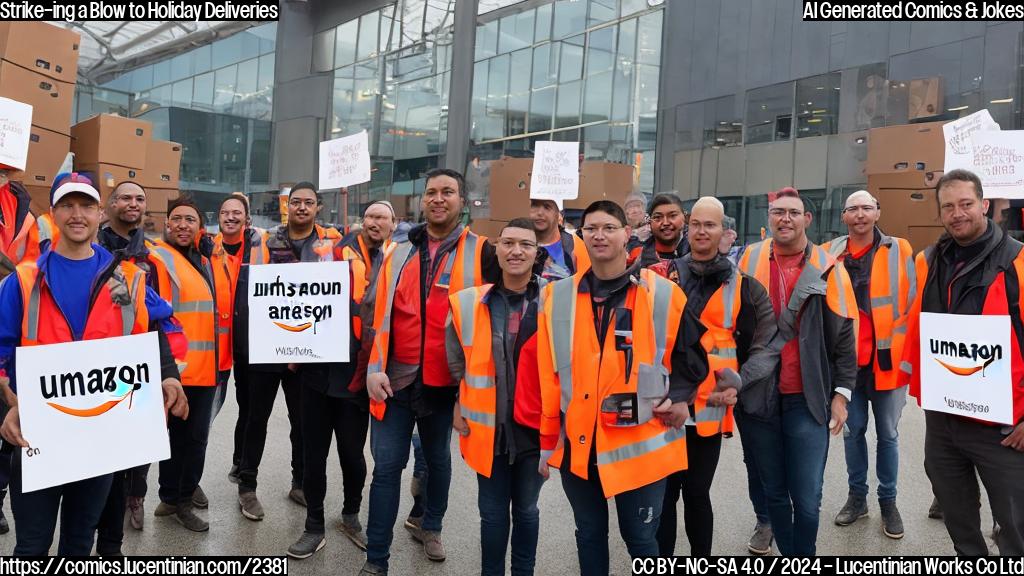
882, 271
737, 337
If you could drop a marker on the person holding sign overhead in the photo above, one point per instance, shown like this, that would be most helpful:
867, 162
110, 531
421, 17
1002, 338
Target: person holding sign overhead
974, 268
186, 281
567, 254
407, 375
78, 291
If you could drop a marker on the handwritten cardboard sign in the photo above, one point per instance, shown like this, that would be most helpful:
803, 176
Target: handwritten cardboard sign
15, 130
998, 159
958, 135
556, 171
344, 161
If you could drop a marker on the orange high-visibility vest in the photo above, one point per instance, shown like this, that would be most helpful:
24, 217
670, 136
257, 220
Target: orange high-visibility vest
225, 275
194, 304
478, 392
44, 231
893, 289
118, 310
580, 261
577, 372
361, 269
719, 317
460, 270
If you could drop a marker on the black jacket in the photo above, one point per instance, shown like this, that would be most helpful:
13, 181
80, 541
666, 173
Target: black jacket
240, 331
20, 214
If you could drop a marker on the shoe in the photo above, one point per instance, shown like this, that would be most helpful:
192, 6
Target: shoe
186, 516
112, 553
414, 524
233, 474
307, 545
298, 496
4, 526
856, 507
371, 569
165, 509
250, 505
136, 512
351, 528
934, 511
892, 522
199, 499
760, 543
432, 545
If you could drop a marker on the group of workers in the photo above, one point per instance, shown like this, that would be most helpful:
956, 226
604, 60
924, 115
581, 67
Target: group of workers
619, 355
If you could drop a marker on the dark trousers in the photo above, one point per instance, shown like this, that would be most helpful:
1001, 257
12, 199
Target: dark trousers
262, 394
389, 443
347, 420
509, 497
755, 487
35, 515
110, 531
420, 473
242, 398
695, 485
181, 473
955, 450
639, 512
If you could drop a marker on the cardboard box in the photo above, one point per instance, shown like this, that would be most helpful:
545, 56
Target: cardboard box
920, 237
51, 99
163, 162
510, 188
489, 228
603, 181
157, 198
907, 147
42, 48
903, 180
926, 98
40, 196
112, 139
46, 152
907, 211
108, 176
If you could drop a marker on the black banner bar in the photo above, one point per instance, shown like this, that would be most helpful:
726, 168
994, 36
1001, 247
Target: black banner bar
139, 10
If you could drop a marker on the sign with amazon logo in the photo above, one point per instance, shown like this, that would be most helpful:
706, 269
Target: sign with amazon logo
965, 366
299, 313
90, 408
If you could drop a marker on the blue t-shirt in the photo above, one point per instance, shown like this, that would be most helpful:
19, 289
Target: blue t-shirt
70, 281
555, 252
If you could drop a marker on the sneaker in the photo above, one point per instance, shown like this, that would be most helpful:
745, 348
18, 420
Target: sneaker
186, 516
892, 523
432, 545
199, 499
233, 474
165, 509
414, 524
136, 512
298, 496
856, 507
351, 528
760, 543
371, 569
307, 545
934, 511
250, 505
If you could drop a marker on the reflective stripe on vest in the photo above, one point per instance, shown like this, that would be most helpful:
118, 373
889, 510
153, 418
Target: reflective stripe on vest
168, 259
400, 255
127, 310
563, 316
256, 249
711, 420
640, 448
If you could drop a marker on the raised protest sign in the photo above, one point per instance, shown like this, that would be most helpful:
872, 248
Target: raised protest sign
89, 409
344, 161
965, 366
958, 135
556, 171
15, 130
998, 159
299, 313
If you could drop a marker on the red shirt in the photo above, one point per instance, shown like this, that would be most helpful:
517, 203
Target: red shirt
866, 334
785, 272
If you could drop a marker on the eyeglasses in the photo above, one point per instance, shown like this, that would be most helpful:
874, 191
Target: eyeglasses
782, 213
606, 230
297, 202
510, 244
865, 208
178, 219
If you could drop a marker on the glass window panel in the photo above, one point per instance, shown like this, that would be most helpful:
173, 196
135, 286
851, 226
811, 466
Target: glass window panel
181, 67
224, 90
602, 11
267, 72
201, 59
487, 40
516, 31
769, 113
142, 79
202, 94
647, 91
323, 51
412, 21
566, 136
369, 27
626, 48
622, 93
570, 17
181, 93
497, 88
817, 105
864, 105
345, 43
545, 65
387, 23
601, 50
479, 103
437, 18
650, 38
542, 105
228, 50
542, 30
598, 100
568, 111
162, 72
519, 97
633, 6
721, 123
572, 60
247, 85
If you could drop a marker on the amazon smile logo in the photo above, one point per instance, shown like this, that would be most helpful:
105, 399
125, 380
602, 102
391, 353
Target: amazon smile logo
980, 356
92, 393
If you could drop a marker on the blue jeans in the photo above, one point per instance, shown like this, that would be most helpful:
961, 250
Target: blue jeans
755, 488
639, 513
791, 452
79, 505
419, 472
389, 444
516, 485
887, 406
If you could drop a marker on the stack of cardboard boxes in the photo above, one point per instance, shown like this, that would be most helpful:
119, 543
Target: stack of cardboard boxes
904, 163
39, 66
114, 149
